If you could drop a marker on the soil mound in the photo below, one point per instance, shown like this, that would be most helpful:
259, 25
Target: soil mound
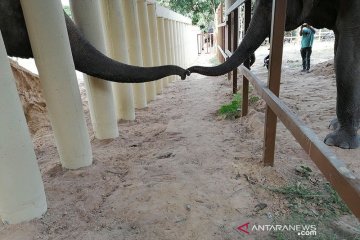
28, 86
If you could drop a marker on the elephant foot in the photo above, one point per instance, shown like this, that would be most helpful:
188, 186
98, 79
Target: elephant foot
342, 139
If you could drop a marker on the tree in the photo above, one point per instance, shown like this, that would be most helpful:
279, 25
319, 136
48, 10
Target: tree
201, 12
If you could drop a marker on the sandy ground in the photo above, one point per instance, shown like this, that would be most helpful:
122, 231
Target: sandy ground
180, 171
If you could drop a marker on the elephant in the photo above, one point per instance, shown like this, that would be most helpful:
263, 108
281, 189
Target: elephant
87, 58
343, 18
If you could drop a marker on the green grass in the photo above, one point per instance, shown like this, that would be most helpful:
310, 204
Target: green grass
231, 110
321, 201
312, 205
253, 99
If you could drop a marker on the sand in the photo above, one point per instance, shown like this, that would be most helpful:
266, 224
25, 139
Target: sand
180, 171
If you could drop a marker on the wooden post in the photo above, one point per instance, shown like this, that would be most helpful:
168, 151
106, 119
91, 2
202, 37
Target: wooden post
277, 39
245, 102
223, 40
234, 43
228, 38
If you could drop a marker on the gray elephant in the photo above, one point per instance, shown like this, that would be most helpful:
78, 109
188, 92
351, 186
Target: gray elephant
86, 58
343, 17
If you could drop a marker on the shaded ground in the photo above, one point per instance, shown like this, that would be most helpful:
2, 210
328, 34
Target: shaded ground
182, 172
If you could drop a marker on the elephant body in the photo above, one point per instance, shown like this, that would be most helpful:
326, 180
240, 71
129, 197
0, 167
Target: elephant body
87, 58
343, 17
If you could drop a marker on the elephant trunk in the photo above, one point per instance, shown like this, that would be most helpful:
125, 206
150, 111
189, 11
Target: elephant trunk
258, 30
89, 60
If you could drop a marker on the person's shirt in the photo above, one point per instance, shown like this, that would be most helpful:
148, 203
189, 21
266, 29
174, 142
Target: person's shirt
307, 37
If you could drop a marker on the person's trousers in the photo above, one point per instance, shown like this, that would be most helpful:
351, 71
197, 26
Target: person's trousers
305, 54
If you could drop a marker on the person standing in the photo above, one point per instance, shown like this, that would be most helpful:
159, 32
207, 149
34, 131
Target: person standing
307, 32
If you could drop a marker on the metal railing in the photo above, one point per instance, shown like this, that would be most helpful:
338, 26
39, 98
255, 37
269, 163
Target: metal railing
335, 171
205, 41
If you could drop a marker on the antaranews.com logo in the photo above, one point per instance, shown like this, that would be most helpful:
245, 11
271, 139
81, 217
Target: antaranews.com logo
300, 230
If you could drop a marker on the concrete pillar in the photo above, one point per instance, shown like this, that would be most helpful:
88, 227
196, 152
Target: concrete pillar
163, 46
155, 42
188, 44
116, 42
146, 48
180, 44
177, 44
22, 195
173, 42
182, 39
169, 44
51, 48
132, 33
87, 16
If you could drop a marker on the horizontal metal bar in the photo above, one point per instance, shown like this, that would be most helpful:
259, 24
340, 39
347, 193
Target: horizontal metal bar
222, 52
335, 171
234, 6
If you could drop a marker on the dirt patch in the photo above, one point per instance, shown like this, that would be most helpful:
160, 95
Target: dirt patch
33, 103
181, 172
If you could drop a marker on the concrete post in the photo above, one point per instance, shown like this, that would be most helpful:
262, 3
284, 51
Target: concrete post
155, 43
163, 42
22, 195
116, 42
173, 43
187, 44
146, 46
182, 39
177, 43
87, 16
169, 44
50, 44
132, 33
180, 44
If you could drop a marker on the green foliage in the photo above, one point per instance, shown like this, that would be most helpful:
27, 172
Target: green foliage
253, 99
67, 10
318, 205
326, 199
201, 12
232, 109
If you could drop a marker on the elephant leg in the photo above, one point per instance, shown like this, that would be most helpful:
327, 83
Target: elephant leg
336, 42
334, 124
347, 66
